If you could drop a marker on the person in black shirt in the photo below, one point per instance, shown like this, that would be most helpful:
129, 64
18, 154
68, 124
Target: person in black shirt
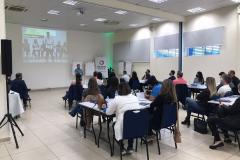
18, 85
112, 87
199, 78
172, 75
221, 74
134, 81
226, 116
166, 96
235, 81
200, 106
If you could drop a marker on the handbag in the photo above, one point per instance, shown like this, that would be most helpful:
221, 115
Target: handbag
200, 126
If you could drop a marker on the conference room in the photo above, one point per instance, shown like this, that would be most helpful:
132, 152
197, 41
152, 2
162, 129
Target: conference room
119, 79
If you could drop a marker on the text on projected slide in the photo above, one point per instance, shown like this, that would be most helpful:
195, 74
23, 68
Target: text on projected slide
44, 45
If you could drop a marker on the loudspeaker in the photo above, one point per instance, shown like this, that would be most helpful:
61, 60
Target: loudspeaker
6, 52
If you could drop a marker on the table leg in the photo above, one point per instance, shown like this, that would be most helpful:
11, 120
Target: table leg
100, 131
85, 117
94, 134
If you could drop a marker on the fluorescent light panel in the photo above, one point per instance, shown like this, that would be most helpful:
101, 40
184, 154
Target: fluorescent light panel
133, 25
158, 1
236, 1
70, 2
196, 10
54, 12
121, 12
156, 19
83, 25
100, 19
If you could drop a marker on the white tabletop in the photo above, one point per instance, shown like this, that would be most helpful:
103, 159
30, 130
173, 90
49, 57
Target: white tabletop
228, 101
197, 86
15, 104
142, 81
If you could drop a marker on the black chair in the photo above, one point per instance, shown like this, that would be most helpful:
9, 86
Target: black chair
65, 99
182, 93
74, 94
135, 125
168, 121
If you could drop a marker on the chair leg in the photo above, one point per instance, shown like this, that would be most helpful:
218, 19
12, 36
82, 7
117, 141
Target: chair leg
174, 138
157, 133
77, 121
65, 104
136, 145
236, 135
146, 147
121, 148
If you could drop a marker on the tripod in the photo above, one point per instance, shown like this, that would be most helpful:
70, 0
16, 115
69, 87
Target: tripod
9, 119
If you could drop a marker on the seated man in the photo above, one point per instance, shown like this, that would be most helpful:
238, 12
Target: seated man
18, 85
226, 117
226, 87
125, 76
172, 75
235, 81
179, 79
155, 88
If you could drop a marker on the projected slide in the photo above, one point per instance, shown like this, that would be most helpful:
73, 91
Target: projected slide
44, 45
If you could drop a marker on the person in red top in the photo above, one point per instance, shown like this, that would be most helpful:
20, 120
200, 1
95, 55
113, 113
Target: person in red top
179, 79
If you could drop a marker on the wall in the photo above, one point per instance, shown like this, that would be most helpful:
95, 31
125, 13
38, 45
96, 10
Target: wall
209, 65
4, 132
82, 46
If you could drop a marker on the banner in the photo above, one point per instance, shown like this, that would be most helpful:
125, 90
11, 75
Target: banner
101, 66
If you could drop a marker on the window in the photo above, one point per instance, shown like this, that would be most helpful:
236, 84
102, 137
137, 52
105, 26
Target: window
202, 51
166, 53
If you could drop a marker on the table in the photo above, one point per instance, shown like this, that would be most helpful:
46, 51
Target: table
15, 104
196, 88
143, 81
144, 103
228, 101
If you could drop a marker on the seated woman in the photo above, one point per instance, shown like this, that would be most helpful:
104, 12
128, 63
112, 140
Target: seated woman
75, 91
226, 117
112, 87
123, 102
92, 94
134, 81
155, 88
199, 78
166, 96
200, 106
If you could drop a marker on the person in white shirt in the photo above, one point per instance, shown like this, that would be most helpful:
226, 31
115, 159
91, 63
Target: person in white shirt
125, 76
226, 87
119, 105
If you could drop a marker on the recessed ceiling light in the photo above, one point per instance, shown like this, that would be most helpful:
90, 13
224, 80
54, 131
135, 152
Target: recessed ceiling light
236, 1
133, 25
158, 1
156, 19
100, 19
70, 2
121, 12
54, 12
83, 25
44, 19
196, 10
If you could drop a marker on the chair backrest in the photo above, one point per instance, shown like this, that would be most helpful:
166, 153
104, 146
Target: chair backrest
182, 92
103, 90
227, 94
135, 85
169, 115
75, 92
135, 123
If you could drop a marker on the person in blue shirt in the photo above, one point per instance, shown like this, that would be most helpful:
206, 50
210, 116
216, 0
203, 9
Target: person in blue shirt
155, 88
78, 70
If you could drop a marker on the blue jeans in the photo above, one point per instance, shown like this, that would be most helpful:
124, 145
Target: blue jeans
75, 110
193, 106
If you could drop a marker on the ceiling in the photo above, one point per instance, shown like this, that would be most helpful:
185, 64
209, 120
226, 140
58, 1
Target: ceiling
69, 20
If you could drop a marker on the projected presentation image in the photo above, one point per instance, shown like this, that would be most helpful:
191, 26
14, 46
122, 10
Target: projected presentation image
44, 45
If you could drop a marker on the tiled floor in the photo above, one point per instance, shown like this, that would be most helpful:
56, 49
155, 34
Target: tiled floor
50, 134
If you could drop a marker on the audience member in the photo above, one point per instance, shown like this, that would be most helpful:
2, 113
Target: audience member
172, 75
134, 81
123, 102
235, 81
92, 94
99, 78
166, 96
155, 88
95, 74
18, 85
179, 79
125, 76
200, 105
221, 74
227, 116
112, 88
199, 78
226, 87
146, 75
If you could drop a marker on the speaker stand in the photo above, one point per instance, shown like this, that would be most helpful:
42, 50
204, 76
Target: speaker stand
9, 119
